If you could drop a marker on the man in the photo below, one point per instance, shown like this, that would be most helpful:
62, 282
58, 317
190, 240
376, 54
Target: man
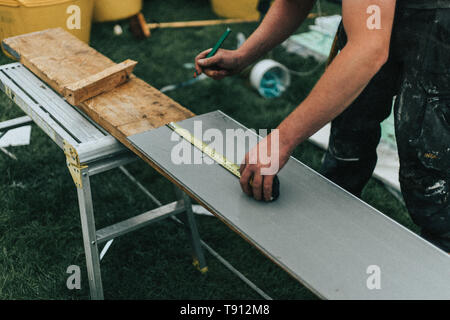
408, 55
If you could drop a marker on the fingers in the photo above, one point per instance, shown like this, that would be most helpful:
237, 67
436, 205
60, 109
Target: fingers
257, 184
242, 167
245, 181
253, 183
200, 56
267, 187
218, 66
211, 67
210, 62
216, 74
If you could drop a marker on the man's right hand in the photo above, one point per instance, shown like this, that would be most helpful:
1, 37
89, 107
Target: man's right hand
224, 63
282, 19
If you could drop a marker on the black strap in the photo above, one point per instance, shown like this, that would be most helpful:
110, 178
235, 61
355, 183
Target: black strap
424, 4
263, 7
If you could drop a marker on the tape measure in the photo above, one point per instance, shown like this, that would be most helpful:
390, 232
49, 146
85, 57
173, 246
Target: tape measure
217, 157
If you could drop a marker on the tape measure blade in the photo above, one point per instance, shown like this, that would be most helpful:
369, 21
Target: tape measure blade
217, 157
206, 149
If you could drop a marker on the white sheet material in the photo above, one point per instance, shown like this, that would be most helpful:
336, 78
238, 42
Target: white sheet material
198, 209
316, 42
387, 165
386, 170
16, 137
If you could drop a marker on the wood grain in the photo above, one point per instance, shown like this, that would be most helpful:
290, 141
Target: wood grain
62, 60
98, 83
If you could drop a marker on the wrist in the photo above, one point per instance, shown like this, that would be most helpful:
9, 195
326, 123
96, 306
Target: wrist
243, 58
287, 139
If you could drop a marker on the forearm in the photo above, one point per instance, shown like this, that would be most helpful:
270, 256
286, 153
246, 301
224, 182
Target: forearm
283, 18
340, 85
366, 51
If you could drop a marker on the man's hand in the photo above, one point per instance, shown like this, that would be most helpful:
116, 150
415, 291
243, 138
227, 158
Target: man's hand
283, 18
261, 164
366, 51
224, 63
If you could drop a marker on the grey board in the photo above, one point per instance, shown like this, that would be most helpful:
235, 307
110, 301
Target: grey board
320, 234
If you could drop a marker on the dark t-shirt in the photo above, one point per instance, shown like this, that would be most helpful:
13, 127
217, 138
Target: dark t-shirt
423, 4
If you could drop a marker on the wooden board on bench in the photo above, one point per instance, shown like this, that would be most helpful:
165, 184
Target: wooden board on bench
60, 59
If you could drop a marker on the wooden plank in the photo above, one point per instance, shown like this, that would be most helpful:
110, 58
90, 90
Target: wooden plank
57, 57
61, 60
98, 83
317, 232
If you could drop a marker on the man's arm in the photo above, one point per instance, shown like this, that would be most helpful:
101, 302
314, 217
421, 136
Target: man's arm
364, 54
283, 18
362, 57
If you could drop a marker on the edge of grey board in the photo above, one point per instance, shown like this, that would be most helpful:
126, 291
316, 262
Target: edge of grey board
320, 234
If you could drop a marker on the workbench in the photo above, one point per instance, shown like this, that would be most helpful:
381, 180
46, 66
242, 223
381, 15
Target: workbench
89, 150
329, 240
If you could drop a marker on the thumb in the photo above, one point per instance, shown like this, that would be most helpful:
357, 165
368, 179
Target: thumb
208, 62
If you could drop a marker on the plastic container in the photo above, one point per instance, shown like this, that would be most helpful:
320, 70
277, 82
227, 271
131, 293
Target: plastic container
242, 9
111, 10
24, 16
270, 78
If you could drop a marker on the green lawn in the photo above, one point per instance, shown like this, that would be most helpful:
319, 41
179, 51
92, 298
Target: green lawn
40, 233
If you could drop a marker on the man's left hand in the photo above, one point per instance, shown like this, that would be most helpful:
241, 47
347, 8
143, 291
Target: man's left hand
261, 164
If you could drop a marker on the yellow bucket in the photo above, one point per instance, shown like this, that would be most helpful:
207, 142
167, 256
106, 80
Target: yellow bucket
111, 10
242, 9
24, 16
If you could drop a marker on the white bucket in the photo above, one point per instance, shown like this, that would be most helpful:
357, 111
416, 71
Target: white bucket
270, 78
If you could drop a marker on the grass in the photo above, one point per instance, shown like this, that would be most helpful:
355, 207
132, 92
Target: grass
40, 233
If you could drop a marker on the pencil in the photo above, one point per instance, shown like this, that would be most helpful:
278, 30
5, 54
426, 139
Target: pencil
217, 46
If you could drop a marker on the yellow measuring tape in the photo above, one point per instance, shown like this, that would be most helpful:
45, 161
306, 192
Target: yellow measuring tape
203, 147
217, 157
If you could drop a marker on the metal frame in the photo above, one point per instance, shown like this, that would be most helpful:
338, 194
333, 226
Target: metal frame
89, 150
5, 126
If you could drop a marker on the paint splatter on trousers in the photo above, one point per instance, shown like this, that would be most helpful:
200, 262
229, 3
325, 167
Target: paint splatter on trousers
418, 73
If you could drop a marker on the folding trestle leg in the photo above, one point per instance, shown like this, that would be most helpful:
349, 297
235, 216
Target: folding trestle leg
89, 236
188, 219
93, 237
